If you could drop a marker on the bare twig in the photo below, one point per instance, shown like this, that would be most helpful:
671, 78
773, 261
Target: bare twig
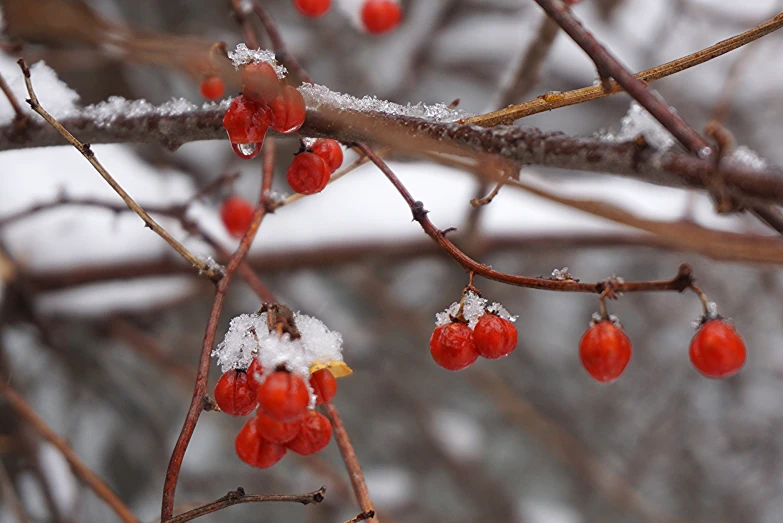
362, 517
351, 461
235, 497
81, 470
85, 150
200, 391
20, 118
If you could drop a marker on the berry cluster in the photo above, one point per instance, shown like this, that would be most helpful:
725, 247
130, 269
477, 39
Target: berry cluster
311, 168
283, 420
377, 16
716, 350
266, 102
282, 365
469, 329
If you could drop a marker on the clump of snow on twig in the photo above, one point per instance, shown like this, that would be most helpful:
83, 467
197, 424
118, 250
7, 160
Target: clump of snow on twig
637, 121
474, 308
243, 55
317, 95
55, 96
746, 157
107, 112
212, 265
561, 274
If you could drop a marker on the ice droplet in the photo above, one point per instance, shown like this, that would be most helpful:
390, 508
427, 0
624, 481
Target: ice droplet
246, 151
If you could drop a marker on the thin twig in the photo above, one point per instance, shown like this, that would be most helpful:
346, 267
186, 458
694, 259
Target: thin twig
541, 104
89, 155
351, 461
278, 44
20, 117
235, 497
362, 517
82, 471
200, 391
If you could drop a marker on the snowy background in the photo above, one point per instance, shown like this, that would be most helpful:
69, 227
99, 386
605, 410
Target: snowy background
528, 439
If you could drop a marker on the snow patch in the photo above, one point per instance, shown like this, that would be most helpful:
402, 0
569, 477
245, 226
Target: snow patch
474, 308
637, 121
243, 55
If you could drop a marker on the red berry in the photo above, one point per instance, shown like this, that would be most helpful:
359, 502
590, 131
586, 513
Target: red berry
379, 16
452, 346
288, 110
283, 396
212, 87
255, 373
236, 214
255, 450
312, 7
308, 173
330, 152
260, 83
605, 351
324, 385
717, 351
234, 395
495, 337
246, 122
313, 436
275, 431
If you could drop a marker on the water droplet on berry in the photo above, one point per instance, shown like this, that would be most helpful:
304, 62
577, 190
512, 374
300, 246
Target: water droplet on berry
246, 151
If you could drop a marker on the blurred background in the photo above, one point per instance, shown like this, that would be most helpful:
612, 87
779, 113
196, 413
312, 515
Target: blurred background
101, 325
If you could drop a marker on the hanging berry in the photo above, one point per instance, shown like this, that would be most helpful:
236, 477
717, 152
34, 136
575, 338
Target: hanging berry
308, 174
234, 395
254, 449
246, 124
314, 435
237, 214
212, 87
329, 151
313, 8
717, 351
494, 336
288, 110
324, 385
605, 351
283, 396
255, 373
277, 431
380, 16
452, 346
260, 83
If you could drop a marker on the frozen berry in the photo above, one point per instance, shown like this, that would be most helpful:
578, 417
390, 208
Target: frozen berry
277, 431
260, 83
380, 16
212, 87
494, 336
288, 110
234, 395
313, 436
236, 214
254, 449
605, 351
452, 346
283, 396
324, 385
717, 351
330, 152
255, 373
308, 173
313, 7
246, 122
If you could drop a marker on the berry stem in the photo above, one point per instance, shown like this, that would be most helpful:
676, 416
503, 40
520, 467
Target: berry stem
703, 297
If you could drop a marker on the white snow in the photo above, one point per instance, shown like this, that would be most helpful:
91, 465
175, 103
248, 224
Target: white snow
243, 55
318, 95
743, 156
106, 112
249, 337
637, 121
561, 274
474, 308
459, 434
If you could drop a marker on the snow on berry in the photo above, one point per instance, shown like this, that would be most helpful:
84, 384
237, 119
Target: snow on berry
249, 338
242, 55
475, 307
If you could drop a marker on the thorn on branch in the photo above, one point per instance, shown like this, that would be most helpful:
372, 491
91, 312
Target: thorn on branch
419, 212
444, 232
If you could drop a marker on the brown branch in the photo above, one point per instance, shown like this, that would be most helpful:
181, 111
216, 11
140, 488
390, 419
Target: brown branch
678, 283
85, 150
200, 391
238, 496
286, 58
585, 94
82, 471
20, 118
351, 461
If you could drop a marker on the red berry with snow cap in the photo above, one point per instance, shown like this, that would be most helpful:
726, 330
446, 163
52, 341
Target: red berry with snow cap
494, 336
234, 395
452, 346
283, 396
324, 385
717, 351
260, 83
